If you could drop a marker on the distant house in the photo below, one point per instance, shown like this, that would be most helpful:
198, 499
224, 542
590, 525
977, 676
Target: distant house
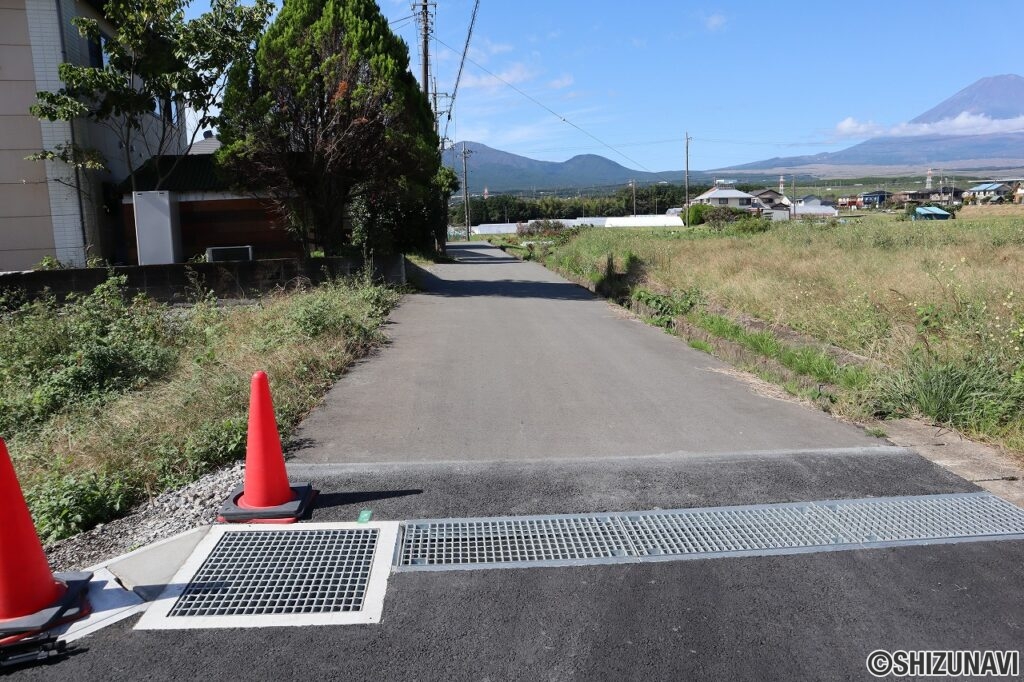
852, 201
809, 200
208, 145
1018, 194
874, 199
725, 196
988, 192
909, 196
930, 213
946, 195
769, 197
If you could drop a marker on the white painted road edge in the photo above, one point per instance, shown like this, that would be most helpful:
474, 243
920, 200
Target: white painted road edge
110, 604
156, 616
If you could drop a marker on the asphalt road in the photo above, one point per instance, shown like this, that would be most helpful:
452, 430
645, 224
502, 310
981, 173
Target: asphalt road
508, 391
504, 360
806, 616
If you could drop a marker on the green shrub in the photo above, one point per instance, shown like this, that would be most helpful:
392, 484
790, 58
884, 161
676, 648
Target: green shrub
701, 345
64, 504
964, 393
94, 346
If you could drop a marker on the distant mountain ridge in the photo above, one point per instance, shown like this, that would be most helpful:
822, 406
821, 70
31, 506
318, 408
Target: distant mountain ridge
996, 97
500, 171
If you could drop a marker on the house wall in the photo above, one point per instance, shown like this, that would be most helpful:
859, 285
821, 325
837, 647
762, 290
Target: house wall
26, 234
732, 202
207, 222
42, 210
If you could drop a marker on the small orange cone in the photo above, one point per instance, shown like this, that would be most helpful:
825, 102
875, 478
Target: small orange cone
32, 599
266, 496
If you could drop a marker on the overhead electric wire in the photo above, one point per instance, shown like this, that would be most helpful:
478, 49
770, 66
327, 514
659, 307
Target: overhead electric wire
462, 63
548, 109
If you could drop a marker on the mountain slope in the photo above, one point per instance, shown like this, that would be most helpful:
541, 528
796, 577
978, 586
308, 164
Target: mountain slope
997, 97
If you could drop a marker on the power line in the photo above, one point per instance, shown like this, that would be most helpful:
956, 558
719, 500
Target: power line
548, 109
462, 63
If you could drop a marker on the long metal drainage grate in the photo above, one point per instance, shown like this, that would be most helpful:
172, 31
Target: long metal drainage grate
578, 539
259, 575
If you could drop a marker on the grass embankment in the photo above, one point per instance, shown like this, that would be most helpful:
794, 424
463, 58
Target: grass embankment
107, 400
933, 305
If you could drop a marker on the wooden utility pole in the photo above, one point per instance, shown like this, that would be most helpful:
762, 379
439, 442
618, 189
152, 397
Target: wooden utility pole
465, 187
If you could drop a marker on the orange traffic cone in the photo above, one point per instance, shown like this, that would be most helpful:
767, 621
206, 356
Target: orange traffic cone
265, 496
32, 599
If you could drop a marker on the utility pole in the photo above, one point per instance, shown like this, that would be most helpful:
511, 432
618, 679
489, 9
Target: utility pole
633, 185
425, 35
686, 181
465, 187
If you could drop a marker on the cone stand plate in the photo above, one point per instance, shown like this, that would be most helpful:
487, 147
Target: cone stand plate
297, 508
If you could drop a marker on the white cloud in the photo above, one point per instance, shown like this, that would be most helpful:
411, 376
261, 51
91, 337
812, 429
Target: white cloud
850, 127
483, 48
563, 81
964, 124
514, 74
715, 22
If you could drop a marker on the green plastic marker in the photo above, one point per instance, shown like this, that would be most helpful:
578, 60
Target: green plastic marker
365, 515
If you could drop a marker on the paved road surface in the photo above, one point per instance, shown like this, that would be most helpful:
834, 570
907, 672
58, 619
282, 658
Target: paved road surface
501, 359
509, 391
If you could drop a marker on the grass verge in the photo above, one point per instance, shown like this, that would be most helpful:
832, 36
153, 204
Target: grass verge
109, 400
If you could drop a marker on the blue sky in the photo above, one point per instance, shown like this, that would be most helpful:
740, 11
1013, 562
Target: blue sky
748, 80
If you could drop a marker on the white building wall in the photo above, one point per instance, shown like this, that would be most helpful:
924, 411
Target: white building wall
65, 213
76, 216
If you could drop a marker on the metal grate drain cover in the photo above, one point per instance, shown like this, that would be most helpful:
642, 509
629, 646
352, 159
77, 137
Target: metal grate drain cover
261, 575
558, 538
704, 533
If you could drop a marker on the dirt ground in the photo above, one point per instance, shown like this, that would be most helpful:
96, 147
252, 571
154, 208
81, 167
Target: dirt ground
1002, 210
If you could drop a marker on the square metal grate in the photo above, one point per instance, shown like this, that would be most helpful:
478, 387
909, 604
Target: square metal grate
513, 540
705, 533
266, 575
294, 571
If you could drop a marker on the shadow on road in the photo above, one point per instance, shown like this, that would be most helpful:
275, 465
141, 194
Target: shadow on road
329, 500
433, 285
510, 288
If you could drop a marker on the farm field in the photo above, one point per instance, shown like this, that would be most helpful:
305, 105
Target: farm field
934, 306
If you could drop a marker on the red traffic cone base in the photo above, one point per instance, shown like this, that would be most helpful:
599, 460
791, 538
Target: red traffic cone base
266, 496
32, 599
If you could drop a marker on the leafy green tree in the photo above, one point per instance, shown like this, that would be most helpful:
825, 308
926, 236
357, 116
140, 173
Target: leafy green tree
327, 120
160, 83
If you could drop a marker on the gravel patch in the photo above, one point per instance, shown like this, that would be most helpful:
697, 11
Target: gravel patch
166, 515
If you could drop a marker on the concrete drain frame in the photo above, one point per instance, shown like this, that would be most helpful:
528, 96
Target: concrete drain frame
276, 575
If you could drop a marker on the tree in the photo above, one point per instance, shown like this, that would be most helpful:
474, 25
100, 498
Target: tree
327, 120
158, 70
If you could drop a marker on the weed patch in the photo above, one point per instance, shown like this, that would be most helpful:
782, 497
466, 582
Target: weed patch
118, 399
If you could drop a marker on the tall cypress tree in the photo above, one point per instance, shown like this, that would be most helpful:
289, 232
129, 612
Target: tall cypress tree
326, 118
